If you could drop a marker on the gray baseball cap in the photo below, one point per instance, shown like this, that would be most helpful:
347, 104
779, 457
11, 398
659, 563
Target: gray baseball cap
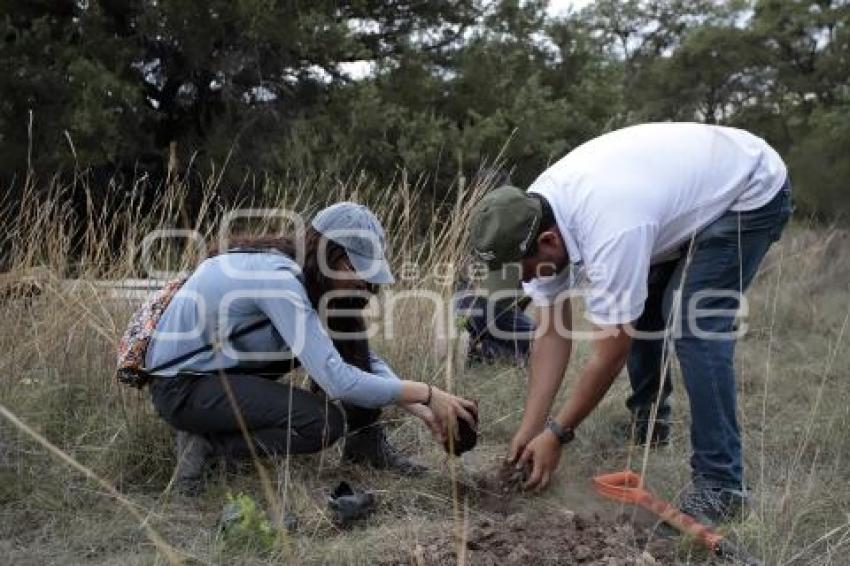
358, 231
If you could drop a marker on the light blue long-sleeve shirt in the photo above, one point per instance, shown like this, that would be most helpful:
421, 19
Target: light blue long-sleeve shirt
231, 291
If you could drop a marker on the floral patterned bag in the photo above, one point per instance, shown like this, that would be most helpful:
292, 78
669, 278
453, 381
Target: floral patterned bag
134, 343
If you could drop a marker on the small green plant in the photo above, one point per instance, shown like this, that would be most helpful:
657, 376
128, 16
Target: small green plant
245, 524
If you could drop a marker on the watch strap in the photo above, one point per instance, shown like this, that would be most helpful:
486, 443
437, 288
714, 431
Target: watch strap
564, 434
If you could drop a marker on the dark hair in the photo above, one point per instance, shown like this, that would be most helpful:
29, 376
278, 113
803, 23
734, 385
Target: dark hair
354, 351
547, 222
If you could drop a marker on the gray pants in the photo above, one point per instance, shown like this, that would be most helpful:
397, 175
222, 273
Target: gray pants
279, 417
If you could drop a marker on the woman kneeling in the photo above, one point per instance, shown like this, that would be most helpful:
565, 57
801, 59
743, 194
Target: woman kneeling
266, 305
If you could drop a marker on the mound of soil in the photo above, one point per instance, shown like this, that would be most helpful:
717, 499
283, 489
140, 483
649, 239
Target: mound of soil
551, 538
505, 537
495, 491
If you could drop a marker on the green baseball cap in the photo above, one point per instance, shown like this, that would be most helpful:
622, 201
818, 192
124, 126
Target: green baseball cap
503, 225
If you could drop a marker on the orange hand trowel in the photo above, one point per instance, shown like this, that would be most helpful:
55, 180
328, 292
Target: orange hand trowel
628, 487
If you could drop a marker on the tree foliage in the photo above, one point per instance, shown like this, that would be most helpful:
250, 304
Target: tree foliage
273, 87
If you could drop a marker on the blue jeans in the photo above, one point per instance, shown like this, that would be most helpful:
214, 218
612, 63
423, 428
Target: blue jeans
725, 257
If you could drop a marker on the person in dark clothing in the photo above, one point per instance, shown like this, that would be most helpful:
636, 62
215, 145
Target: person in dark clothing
498, 332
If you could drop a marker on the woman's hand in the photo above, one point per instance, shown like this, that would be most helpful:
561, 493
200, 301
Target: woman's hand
427, 416
444, 407
447, 408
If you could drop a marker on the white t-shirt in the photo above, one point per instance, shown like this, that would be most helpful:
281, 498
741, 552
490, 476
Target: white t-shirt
627, 199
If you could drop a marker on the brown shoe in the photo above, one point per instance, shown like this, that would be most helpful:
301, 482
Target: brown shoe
193, 455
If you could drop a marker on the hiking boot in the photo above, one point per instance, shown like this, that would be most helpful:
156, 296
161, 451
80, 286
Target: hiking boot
370, 446
713, 505
193, 455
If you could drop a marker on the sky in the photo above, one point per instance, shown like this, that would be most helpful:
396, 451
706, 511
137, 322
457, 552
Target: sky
557, 7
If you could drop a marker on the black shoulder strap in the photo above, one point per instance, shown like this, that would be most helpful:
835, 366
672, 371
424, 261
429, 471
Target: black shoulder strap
191, 354
253, 251
247, 330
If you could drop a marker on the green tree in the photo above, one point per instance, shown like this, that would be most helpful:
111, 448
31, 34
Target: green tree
67, 94
264, 85
211, 78
715, 73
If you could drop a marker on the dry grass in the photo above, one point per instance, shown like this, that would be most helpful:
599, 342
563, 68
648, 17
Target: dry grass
56, 360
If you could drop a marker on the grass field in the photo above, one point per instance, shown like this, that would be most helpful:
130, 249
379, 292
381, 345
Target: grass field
56, 367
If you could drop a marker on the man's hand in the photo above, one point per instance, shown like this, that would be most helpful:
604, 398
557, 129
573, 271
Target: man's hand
427, 416
520, 440
543, 454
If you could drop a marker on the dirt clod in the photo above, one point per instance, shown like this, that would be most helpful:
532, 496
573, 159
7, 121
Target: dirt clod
508, 533
510, 478
496, 490
519, 555
516, 521
468, 436
582, 552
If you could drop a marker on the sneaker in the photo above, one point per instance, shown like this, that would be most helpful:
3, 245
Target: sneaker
193, 455
713, 505
370, 446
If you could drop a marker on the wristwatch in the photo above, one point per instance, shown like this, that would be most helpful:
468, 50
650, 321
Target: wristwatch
565, 435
